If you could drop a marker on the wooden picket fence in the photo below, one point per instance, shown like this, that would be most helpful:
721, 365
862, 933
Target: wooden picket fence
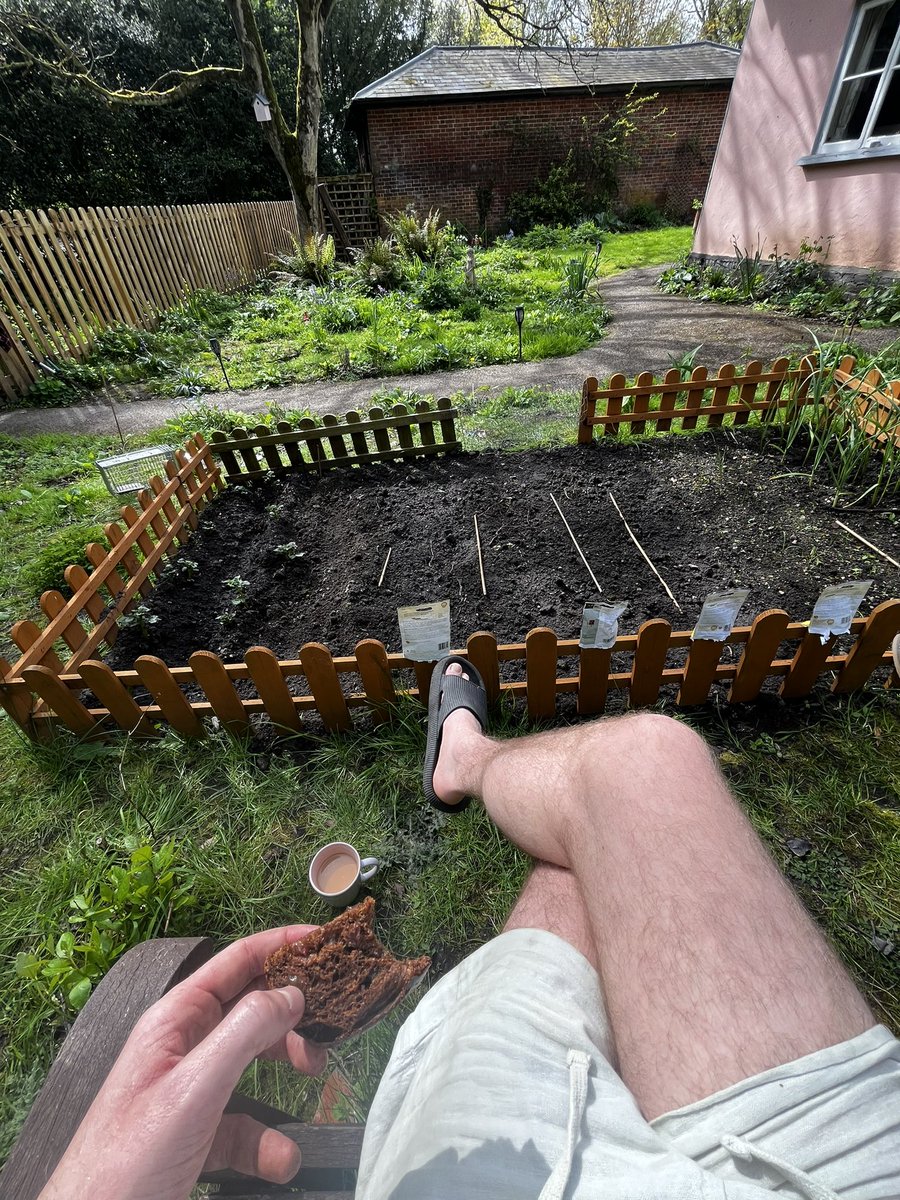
338, 442
60, 663
730, 395
66, 274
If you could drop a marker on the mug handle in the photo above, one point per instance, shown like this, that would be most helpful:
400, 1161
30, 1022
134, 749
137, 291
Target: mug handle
368, 867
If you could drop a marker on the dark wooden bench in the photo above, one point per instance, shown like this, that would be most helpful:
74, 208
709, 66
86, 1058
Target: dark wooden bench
137, 980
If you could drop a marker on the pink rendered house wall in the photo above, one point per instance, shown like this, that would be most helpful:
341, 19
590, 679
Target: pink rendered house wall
789, 58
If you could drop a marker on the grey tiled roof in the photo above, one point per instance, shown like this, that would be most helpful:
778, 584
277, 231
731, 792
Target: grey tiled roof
474, 70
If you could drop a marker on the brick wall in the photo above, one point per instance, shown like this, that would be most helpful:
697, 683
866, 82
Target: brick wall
437, 155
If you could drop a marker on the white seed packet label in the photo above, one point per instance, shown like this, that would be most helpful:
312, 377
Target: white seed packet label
600, 624
425, 630
718, 614
836, 607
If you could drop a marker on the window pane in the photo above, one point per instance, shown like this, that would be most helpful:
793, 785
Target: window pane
852, 109
888, 120
874, 39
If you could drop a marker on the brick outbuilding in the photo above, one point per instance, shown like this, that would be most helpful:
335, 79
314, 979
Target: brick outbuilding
458, 126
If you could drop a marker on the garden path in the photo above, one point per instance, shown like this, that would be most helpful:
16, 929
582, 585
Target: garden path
648, 332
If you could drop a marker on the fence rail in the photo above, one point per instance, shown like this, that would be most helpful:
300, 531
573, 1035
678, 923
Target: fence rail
731, 394
338, 442
38, 694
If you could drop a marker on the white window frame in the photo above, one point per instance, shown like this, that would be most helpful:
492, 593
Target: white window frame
865, 146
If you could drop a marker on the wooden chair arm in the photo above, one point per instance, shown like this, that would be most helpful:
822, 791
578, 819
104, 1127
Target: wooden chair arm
132, 985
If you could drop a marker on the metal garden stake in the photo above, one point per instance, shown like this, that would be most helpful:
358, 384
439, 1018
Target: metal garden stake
216, 348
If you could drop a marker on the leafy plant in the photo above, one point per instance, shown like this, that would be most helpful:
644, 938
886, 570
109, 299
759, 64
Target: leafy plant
141, 620
579, 274
110, 915
749, 271
436, 290
425, 238
376, 264
183, 568
288, 550
557, 199
67, 545
191, 383
240, 590
312, 260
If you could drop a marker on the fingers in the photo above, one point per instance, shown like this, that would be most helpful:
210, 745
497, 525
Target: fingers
245, 1145
231, 970
210, 1072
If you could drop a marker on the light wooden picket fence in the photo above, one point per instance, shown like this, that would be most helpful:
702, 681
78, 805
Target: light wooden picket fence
66, 274
338, 442
61, 662
728, 396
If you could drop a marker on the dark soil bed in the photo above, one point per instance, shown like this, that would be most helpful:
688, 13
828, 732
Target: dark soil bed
711, 511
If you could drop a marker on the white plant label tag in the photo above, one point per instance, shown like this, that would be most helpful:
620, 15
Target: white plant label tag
425, 630
836, 607
718, 614
600, 624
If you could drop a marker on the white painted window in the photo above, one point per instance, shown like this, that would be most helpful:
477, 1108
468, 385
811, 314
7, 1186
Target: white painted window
863, 112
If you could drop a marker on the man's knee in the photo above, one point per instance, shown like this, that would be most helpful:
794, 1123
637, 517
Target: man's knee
648, 740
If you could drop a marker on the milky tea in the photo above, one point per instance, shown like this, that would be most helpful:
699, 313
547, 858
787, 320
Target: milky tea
336, 873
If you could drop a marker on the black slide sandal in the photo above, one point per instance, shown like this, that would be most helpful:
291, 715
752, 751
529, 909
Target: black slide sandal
447, 694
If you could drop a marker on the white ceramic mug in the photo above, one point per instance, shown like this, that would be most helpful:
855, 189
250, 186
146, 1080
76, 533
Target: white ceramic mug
337, 873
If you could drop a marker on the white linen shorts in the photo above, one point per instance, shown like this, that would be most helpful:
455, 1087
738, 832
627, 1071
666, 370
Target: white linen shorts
501, 1087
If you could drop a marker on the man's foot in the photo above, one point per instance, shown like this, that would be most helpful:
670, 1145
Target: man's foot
461, 751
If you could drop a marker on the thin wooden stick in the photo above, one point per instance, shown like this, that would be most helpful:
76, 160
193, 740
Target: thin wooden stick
577, 547
669, 592
860, 538
384, 568
480, 561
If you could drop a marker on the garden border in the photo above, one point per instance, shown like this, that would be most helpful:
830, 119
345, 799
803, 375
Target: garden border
41, 689
735, 395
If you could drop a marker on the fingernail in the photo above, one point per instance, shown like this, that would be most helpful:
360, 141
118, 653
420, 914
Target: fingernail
295, 999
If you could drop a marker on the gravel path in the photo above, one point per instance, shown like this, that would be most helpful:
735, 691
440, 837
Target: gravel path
647, 333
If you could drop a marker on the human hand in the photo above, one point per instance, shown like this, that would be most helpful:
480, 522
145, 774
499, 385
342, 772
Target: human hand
158, 1121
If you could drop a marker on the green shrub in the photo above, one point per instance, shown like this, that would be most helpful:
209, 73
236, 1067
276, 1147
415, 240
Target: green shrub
423, 237
47, 568
435, 290
643, 216
377, 264
469, 308
339, 314
559, 199
312, 260
543, 237
118, 341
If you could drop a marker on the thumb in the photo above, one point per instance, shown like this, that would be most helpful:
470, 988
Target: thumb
210, 1073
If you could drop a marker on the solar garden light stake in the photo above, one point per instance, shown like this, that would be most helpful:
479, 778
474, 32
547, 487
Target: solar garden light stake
216, 347
520, 317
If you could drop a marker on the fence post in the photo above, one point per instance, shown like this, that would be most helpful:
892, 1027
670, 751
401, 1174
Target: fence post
588, 409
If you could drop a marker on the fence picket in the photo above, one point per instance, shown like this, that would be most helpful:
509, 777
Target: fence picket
24, 634
448, 424
46, 683
404, 433
724, 384
337, 443
210, 674
426, 427
375, 673
699, 672
481, 649
668, 398
273, 690
381, 435
642, 403
160, 683
360, 443
130, 565
649, 662
766, 634
76, 577
588, 411
881, 626
593, 680
540, 672
72, 633
807, 665
694, 399
614, 403
116, 698
423, 672
747, 393
325, 686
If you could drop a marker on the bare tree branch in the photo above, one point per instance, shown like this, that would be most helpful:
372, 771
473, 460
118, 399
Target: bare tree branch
65, 62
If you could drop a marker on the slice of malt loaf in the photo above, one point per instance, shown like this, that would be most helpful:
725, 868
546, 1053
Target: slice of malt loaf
349, 979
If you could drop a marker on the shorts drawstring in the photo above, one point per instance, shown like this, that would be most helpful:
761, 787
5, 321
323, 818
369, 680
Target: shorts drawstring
579, 1065
740, 1148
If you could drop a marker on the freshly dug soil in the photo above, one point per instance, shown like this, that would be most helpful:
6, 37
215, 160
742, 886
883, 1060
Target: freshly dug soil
711, 511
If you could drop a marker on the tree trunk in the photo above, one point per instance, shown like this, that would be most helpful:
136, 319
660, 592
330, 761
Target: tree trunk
296, 151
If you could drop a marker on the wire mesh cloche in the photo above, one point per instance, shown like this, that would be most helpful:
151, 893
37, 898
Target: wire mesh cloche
132, 471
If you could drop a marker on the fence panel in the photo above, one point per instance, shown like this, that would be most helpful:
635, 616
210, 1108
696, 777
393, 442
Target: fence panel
66, 274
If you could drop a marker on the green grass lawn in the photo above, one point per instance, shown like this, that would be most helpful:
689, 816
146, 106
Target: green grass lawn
429, 319
244, 819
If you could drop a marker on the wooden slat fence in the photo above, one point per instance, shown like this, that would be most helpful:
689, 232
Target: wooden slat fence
65, 274
401, 433
287, 690
731, 395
